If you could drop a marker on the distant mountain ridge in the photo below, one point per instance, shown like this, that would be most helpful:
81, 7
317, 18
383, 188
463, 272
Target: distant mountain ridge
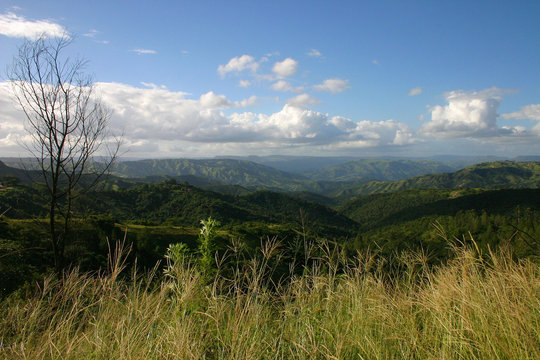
379, 169
257, 171
492, 175
226, 171
342, 181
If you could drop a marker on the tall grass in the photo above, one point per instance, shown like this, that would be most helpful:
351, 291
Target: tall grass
477, 306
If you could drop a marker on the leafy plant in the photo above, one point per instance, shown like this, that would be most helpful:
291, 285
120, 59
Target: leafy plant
207, 245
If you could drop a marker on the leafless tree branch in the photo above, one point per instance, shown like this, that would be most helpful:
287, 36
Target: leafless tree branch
67, 124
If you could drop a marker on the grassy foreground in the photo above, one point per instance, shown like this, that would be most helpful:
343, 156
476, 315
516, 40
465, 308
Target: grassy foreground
474, 307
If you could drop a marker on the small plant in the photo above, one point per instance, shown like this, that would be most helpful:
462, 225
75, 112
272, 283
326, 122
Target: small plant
176, 254
207, 245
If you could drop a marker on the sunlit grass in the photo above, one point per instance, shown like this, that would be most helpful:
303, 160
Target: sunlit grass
475, 307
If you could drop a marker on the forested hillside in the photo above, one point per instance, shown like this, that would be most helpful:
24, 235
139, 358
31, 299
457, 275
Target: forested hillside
379, 169
493, 175
492, 203
238, 172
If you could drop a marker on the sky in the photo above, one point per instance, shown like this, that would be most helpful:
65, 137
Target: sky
320, 78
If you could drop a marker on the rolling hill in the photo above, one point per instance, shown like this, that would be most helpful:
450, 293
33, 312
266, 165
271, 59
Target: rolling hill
379, 169
227, 171
492, 175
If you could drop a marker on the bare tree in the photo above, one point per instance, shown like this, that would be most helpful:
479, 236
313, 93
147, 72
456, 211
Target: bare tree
67, 128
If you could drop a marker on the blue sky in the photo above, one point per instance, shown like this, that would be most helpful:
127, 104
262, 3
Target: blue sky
364, 78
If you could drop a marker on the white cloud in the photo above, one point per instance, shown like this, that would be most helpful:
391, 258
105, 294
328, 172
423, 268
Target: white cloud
12, 25
294, 123
12, 132
529, 112
468, 114
303, 100
415, 91
244, 83
314, 53
284, 86
213, 101
285, 68
156, 121
139, 51
238, 64
333, 86
375, 133
251, 101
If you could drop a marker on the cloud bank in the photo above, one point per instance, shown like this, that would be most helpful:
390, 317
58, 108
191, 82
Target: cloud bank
156, 120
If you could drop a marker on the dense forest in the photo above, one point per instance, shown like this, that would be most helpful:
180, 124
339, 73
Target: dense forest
488, 203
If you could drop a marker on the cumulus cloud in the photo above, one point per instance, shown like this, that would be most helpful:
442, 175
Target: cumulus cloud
415, 91
285, 86
12, 25
333, 86
285, 68
303, 100
375, 133
239, 64
467, 114
139, 51
213, 101
157, 121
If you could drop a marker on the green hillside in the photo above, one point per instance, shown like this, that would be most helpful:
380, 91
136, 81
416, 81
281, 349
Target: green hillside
492, 175
296, 164
186, 204
24, 176
433, 220
382, 209
379, 169
228, 171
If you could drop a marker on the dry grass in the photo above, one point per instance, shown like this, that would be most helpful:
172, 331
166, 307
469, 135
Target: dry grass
474, 307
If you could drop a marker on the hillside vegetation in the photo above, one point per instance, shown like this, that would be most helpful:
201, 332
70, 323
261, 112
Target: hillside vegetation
379, 169
337, 181
493, 175
238, 172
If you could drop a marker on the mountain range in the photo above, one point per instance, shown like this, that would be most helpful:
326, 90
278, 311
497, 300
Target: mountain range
338, 181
